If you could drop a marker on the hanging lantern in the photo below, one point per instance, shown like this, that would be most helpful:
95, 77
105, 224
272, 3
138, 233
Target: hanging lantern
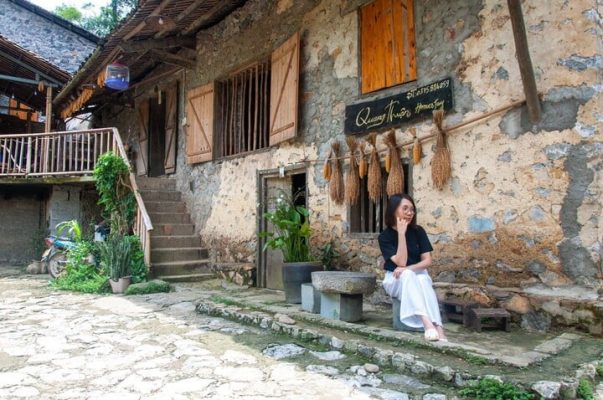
117, 76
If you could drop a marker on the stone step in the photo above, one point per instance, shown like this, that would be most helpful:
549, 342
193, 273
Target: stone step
170, 218
174, 268
171, 206
145, 183
160, 195
166, 242
188, 278
166, 229
178, 254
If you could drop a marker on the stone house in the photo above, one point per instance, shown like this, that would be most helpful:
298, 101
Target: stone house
36, 48
518, 224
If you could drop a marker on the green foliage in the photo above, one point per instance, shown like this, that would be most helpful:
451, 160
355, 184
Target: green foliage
291, 230
102, 23
138, 268
600, 370
116, 256
153, 286
585, 390
73, 229
328, 256
491, 389
115, 195
81, 275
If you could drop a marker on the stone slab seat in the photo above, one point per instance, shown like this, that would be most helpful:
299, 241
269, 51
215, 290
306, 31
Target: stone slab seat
341, 293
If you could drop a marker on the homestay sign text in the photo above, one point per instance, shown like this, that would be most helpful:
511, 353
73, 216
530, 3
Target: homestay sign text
397, 109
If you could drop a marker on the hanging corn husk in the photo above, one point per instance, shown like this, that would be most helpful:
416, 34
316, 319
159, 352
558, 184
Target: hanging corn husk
336, 188
374, 171
41, 87
363, 166
440, 165
417, 151
352, 181
395, 180
326, 168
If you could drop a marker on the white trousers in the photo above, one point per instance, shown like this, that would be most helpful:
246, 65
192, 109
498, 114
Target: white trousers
416, 295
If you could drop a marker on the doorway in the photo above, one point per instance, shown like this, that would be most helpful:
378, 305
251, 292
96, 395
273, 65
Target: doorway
156, 136
291, 181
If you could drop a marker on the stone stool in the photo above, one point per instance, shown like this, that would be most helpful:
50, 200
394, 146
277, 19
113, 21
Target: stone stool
399, 325
310, 298
341, 293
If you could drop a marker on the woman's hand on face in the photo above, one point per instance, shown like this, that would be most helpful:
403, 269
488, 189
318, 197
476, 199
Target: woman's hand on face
401, 225
398, 272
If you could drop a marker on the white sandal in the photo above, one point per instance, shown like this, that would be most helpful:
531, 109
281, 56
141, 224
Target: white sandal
431, 335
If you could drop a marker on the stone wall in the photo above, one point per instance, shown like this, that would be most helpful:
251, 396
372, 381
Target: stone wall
523, 207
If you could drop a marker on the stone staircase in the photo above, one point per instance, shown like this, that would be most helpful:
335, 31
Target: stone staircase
176, 251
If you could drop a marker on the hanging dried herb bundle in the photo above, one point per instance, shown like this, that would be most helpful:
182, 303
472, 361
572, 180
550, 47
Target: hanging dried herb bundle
374, 171
363, 166
336, 188
395, 180
440, 165
417, 151
326, 168
352, 181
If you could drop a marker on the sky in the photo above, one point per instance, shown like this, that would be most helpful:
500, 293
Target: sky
50, 5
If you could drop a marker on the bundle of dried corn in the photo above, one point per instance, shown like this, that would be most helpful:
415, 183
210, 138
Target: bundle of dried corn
395, 180
41, 87
326, 168
440, 165
417, 151
363, 166
100, 79
336, 188
352, 181
374, 171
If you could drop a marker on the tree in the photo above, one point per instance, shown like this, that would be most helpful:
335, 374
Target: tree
103, 23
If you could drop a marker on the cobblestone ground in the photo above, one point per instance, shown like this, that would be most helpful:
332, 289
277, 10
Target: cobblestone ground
58, 345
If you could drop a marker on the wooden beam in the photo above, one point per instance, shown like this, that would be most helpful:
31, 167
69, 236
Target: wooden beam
142, 25
169, 58
525, 62
151, 44
203, 18
186, 12
48, 123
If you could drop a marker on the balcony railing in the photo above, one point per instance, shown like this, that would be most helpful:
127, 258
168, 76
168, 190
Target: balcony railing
70, 153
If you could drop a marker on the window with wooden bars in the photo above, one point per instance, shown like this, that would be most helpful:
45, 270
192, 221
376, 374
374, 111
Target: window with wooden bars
387, 44
254, 108
369, 217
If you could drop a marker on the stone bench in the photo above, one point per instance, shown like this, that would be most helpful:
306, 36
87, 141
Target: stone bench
493, 318
341, 293
397, 324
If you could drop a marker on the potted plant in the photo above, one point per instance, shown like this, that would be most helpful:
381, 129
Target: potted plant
292, 237
116, 257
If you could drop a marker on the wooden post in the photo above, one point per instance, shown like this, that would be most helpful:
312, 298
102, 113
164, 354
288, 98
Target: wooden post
524, 60
48, 123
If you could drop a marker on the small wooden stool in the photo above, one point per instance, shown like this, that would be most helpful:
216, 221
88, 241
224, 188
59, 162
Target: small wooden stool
455, 310
496, 318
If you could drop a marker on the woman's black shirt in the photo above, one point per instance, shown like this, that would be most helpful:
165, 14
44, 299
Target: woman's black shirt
417, 243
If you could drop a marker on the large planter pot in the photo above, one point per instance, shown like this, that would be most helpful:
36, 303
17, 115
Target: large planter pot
294, 274
121, 285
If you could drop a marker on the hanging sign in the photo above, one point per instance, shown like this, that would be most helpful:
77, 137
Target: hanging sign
395, 110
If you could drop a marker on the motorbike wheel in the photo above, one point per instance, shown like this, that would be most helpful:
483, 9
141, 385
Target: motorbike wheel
56, 264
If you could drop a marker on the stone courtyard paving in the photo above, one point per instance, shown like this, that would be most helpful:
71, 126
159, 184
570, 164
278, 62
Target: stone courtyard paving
59, 345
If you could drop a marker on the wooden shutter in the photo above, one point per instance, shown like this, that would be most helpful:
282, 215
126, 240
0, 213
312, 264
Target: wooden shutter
200, 119
143, 137
284, 87
171, 128
387, 44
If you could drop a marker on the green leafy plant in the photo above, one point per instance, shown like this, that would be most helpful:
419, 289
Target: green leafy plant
329, 255
81, 275
291, 230
115, 194
138, 268
600, 370
73, 228
585, 390
116, 256
491, 389
150, 287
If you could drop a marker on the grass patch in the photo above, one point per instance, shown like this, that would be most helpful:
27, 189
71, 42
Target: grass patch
82, 278
488, 389
150, 287
600, 370
585, 390
223, 300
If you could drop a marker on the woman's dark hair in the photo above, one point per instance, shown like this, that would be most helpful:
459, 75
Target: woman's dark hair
392, 205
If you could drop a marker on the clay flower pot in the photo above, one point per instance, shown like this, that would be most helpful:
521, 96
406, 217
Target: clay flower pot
121, 285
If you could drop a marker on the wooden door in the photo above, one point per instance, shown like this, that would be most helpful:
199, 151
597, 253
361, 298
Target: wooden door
200, 108
157, 136
171, 129
142, 112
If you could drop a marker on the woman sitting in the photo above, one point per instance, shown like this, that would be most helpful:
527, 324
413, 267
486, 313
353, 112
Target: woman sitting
407, 253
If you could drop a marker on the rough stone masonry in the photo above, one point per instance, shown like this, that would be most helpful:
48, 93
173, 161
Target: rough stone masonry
521, 215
